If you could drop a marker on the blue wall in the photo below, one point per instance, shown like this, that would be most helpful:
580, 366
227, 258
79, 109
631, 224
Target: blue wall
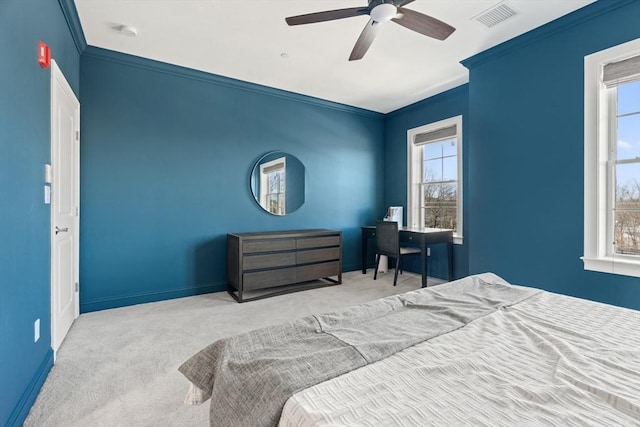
295, 185
24, 218
526, 154
449, 104
165, 164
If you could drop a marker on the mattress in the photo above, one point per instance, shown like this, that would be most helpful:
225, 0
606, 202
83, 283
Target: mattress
547, 360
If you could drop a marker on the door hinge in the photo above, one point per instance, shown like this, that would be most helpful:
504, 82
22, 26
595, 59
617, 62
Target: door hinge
76, 286
77, 135
77, 211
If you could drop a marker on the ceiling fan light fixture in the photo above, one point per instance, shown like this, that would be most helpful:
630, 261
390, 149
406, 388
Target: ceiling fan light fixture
379, 11
383, 12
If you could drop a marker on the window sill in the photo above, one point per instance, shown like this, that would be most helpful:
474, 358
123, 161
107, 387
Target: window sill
457, 240
625, 267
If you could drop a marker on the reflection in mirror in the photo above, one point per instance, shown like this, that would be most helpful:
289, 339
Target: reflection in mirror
277, 183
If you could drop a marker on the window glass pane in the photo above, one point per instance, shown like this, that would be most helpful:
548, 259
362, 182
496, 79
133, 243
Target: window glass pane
440, 217
273, 203
431, 192
441, 194
432, 150
273, 183
629, 98
281, 177
433, 170
628, 181
449, 147
450, 169
628, 137
627, 232
627, 212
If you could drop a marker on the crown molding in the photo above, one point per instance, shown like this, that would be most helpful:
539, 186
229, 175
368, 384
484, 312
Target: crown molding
189, 73
73, 22
579, 16
464, 87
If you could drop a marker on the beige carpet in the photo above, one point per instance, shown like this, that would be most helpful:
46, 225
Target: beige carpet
119, 367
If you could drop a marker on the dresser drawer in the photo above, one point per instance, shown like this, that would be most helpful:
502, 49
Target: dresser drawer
255, 262
270, 245
317, 242
269, 278
317, 255
316, 271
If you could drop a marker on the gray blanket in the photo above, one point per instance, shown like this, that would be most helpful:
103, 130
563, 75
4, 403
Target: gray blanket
249, 377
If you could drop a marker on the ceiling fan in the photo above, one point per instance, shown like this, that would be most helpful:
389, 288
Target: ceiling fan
379, 11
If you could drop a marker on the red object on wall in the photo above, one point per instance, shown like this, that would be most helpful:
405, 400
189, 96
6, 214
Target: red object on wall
44, 55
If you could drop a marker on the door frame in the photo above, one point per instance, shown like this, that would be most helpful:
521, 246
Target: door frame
58, 76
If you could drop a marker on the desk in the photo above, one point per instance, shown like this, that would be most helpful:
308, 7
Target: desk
419, 237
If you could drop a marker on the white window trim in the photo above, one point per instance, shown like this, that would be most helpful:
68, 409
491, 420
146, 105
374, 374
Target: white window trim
412, 192
598, 255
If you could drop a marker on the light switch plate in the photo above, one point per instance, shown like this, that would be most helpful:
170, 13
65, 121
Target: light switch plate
48, 177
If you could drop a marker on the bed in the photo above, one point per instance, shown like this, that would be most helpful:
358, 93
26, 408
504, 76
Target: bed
476, 351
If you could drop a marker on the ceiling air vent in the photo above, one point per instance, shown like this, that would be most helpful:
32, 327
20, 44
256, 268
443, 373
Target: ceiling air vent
495, 15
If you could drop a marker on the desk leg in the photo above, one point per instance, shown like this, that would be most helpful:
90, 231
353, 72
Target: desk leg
450, 260
423, 258
364, 252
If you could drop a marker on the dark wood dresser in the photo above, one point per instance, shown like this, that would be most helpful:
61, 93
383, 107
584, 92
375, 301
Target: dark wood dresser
275, 259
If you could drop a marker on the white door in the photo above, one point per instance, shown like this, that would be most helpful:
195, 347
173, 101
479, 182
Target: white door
65, 165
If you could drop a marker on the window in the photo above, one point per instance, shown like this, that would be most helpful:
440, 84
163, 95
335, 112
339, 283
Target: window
435, 176
273, 185
612, 160
625, 167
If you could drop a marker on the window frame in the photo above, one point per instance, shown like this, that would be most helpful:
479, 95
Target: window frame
414, 169
599, 165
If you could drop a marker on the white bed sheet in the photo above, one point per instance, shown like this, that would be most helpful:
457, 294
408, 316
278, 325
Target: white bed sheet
550, 360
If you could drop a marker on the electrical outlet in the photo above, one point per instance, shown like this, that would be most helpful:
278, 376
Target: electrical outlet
36, 330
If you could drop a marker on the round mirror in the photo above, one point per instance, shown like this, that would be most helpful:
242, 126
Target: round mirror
277, 183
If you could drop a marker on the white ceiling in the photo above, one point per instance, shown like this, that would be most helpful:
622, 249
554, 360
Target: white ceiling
246, 40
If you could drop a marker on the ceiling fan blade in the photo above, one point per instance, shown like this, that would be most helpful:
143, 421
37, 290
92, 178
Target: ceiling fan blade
423, 24
365, 40
329, 15
400, 3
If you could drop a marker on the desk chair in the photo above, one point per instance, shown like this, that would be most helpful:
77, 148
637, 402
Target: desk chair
388, 243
